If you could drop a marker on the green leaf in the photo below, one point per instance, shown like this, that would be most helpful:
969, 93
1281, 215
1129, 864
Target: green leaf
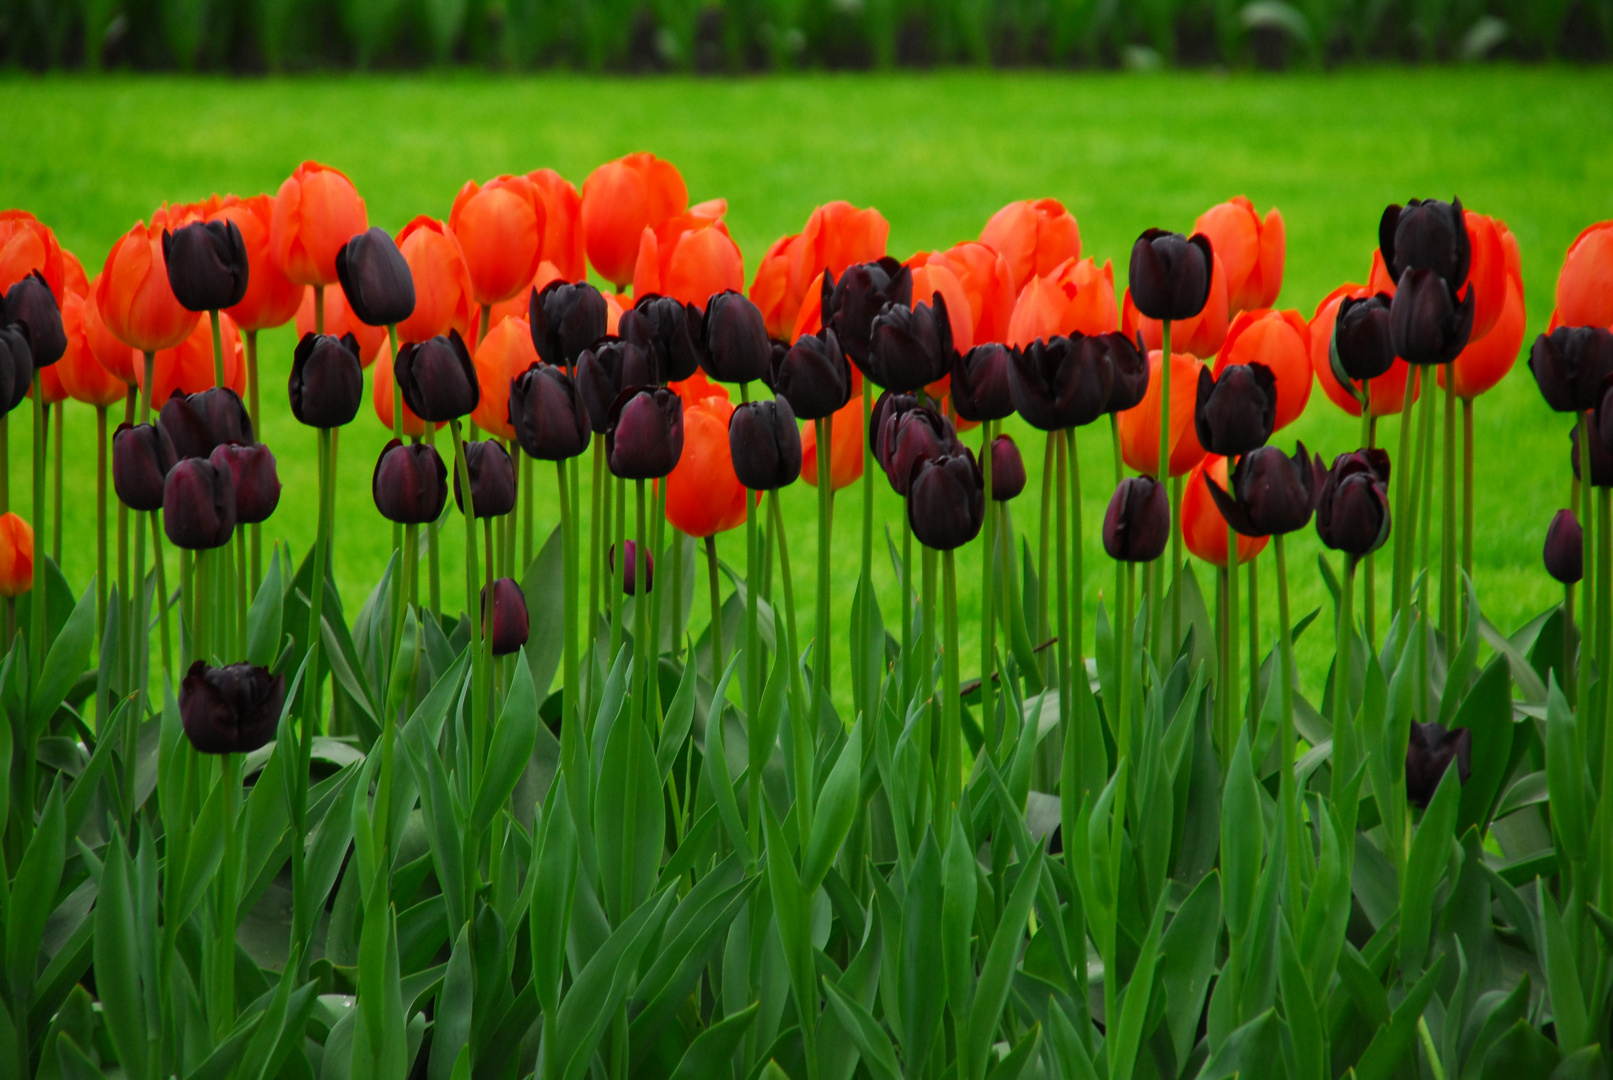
263, 617
629, 819
712, 1051
452, 1026
1487, 713
1127, 1039
513, 739
1242, 840
715, 776
1430, 855
1565, 776
1521, 1052
960, 879
67, 659
996, 973
921, 993
1249, 1051
543, 585
763, 729
117, 962
1014, 1063
1187, 960
1391, 1042
675, 725
1583, 1064
1305, 1026
792, 908
1559, 957
838, 804
877, 1053
555, 879
33, 893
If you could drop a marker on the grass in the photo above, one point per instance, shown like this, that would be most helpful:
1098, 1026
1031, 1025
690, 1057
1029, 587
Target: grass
937, 154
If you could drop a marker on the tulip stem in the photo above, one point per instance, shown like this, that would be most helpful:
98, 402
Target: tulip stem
910, 665
1253, 699
988, 591
619, 587
1164, 637
1344, 746
101, 584
162, 596
302, 912
1078, 658
865, 584
479, 678
1121, 721
135, 628
56, 483
255, 530
1234, 704
598, 521
657, 537
927, 664
676, 644
951, 706
1062, 568
1044, 556
1403, 466
1587, 618
1297, 844
1604, 601
37, 602
1448, 585
801, 728
528, 513
568, 685
821, 657
1425, 506
714, 586
222, 996
1467, 495
5, 463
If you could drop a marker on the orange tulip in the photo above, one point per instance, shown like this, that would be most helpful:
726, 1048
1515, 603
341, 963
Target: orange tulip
500, 228
188, 366
1204, 530
1076, 297
1487, 360
74, 280
1379, 281
1034, 235
1487, 272
381, 398
316, 211
845, 447
809, 317
697, 388
339, 320
988, 284
837, 235
506, 352
935, 276
80, 373
520, 305
1250, 249
688, 258
1388, 389
621, 199
1585, 284
703, 495
1281, 341
16, 556
562, 223
133, 295
1201, 335
1139, 426
443, 295
109, 351
26, 245
271, 297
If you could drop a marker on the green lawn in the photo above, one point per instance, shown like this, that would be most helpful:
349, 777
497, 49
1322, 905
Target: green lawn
937, 154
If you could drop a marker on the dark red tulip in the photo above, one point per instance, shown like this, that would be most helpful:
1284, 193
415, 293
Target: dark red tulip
1565, 548
327, 380
736, 345
1270, 493
814, 375
1363, 344
608, 368
674, 330
1352, 509
979, 384
492, 480
1007, 469
232, 709
257, 484
1426, 234
547, 413
1137, 525
198, 422
912, 438
16, 367
1429, 752
32, 309
1170, 274
889, 404
644, 436
1062, 382
910, 347
198, 504
851, 304
1130, 362
629, 577
207, 264
1426, 321
566, 317
1601, 459
510, 624
947, 503
438, 379
1571, 364
142, 455
765, 444
410, 484
376, 279
1235, 411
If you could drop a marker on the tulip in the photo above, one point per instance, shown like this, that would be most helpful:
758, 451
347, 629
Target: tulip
696, 388
852, 303
257, 483
82, 376
1352, 508
837, 235
705, 491
1064, 382
988, 286
437, 378
910, 346
207, 264
689, 258
232, 709
565, 319
1281, 341
1601, 459
1565, 548
503, 355
1429, 752
134, 296
845, 448
887, 408
410, 484
198, 504
547, 413
376, 279
1363, 347
198, 422
946, 504
1202, 335
142, 455
1007, 469
1139, 426
340, 320
1271, 494
271, 298
607, 369
1428, 235
75, 282
1170, 274
1034, 236
16, 556
1585, 283
562, 224
492, 480
1488, 359
629, 576
911, 438
113, 354
764, 445
27, 245
644, 433
622, 198
1204, 529
31, 310
671, 330
500, 227
1137, 525
327, 381
316, 211
188, 367
813, 374
1570, 365
1236, 408
934, 278
510, 624
736, 348
381, 399
1387, 390
444, 298
1076, 298
1429, 325
1251, 248
16, 368
1130, 365
980, 385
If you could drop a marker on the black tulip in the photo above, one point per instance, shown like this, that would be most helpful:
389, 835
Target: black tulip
673, 329
1137, 525
814, 375
1601, 459
232, 709
1352, 509
257, 484
1170, 274
207, 264
736, 346
1129, 360
886, 407
1429, 752
1565, 548
199, 422
327, 380
566, 317
1570, 365
1236, 410
765, 444
947, 502
1426, 234
629, 575
1363, 344
16, 367
1428, 324
492, 480
910, 347
510, 625
605, 370
851, 304
438, 379
410, 485
1062, 382
198, 504
979, 386
1007, 469
142, 455
1270, 493
644, 438
547, 413
32, 309
912, 438
375, 278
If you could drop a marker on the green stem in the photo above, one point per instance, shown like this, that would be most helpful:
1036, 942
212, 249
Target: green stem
433, 556
1287, 789
988, 588
644, 661
255, 530
598, 521
1062, 569
1604, 607
714, 584
479, 678
529, 514
569, 603
1122, 721
910, 664
821, 654
1044, 554
1467, 495
302, 915
218, 349
222, 998
38, 601
1234, 696
1406, 526
101, 584
676, 644
951, 721
1587, 620
618, 590
1157, 627
158, 567
1448, 587
865, 582
56, 483
1253, 701
803, 745
1078, 658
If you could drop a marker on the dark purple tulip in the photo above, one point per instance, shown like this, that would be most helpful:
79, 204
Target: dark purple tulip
850, 304
1363, 344
257, 484
566, 317
438, 379
510, 625
912, 438
1007, 469
16, 367
1352, 509
232, 709
672, 329
1137, 525
629, 576
765, 444
1429, 752
1270, 493
547, 413
1170, 274
1601, 459
886, 407
327, 380
814, 375
979, 384
32, 309
142, 455
1235, 410
1565, 548
1427, 323
1062, 382
198, 422
736, 346
410, 484
375, 278
492, 480
1426, 234
644, 438
198, 504
947, 503
910, 347
608, 368
207, 265
1130, 362
1571, 364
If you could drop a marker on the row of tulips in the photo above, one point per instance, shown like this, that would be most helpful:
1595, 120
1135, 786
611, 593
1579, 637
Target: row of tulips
380, 846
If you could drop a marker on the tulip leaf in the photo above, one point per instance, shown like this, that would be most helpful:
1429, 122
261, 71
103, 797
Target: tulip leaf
629, 818
675, 726
263, 618
922, 995
877, 1053
997, 970
714, 766
1565, 776
1487, 713
1391, 1042
712, 1051
33, 892
514, 737
1247, 1052
1558, 956
549, 911
117, 962
67, 659
838, 804
543, 586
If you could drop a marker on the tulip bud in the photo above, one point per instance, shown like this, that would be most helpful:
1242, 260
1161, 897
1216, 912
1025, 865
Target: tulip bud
376, 279
198, 504
438, 379
31, 309
16, 556
644, 435
232, 709
946, 504
510, 625
1137, 525
1352, 510
1130, 362
1363, 343
1426, 322
1007, 469
912, 438
410, 484
257, 485
1571, 364
1601, 459
1170, 274
1269, 493
1565, 548
1062, 382
1235, 411
736, 345
142, 455
814, 375
605, 370
672, 329
207, 267
492, 480
566, 317
887, 407
629, 576
327, 380
979, 387
16, 368
765, 444
851, 304
1426, 234
1429, 752
547, 413
198, 422
910, 347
